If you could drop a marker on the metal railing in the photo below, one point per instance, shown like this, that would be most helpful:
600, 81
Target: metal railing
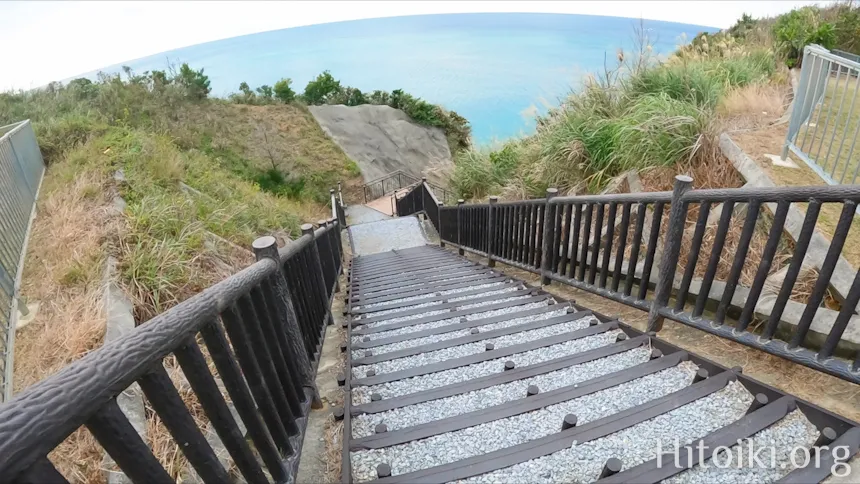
825, 118
627, 247
21, 170
394, 181
275, 314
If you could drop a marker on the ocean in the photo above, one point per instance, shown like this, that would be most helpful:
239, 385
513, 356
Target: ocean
496, 69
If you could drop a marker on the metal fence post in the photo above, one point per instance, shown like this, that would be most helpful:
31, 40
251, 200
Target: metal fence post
671, 252
340, 194
460, 250
548, 224
267, 248
490, 224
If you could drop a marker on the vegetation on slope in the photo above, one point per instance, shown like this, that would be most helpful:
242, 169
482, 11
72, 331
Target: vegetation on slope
646, 113
325, 89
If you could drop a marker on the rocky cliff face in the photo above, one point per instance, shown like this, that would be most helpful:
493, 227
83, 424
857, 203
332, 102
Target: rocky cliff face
381, 139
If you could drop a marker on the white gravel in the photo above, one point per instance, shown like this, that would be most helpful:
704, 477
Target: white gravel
507, 432
444, 322
472, 348
406, 386
380, 350
418, 283
395, 310
431, 294
363, 425
404, 318
489, 292
635, 445
793, 431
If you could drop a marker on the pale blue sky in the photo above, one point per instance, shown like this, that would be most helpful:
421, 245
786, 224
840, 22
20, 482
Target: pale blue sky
47, 41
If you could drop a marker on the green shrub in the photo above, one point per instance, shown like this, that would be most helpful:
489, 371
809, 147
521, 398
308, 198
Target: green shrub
321, 89
283, 91
194, 82
799, 28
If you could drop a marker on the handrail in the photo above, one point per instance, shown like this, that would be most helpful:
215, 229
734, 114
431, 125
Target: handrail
275, 313
370, 192
627, 248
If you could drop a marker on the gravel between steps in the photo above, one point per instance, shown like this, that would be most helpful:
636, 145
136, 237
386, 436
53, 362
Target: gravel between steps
446, 322
454, 299
472, 348
507, 432
424, 296
635, 445
363, 425
402, 345
406, 386
793, 431
419, 283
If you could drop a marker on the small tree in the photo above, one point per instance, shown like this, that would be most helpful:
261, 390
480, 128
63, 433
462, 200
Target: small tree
246, 89
196, 84
321, 89
284, 92
799, 28
265, 91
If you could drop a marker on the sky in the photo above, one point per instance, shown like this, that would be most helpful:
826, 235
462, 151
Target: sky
49, 41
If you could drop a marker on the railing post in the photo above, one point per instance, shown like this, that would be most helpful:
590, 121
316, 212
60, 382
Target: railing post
548, 225
671, 252
423, 189
399, 180
490, 224
267, 248
308, 229
340, 194
333, 203
439, 206
460, 203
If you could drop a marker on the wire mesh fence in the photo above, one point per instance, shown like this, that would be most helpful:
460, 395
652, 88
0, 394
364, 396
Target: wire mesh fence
21, 170
826, 116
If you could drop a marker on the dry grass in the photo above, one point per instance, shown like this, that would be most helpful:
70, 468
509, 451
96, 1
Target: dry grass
752, 106
67, 249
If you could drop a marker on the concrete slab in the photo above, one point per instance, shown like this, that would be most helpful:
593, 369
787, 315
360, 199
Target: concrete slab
386, 235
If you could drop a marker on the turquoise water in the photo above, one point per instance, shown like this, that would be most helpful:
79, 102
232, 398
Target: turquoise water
497, 70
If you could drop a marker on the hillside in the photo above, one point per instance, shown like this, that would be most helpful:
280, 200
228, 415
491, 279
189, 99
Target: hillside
172, 186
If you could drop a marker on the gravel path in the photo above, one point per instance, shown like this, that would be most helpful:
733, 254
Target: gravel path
381, 350
635, 445
507, 432
472, 348
363, 425
386, 235
406, 386
793, 431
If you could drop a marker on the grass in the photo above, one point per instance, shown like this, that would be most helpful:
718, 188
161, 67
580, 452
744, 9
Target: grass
190, 174
640, 115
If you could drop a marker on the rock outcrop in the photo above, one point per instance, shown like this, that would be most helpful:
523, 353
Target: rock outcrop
381, 140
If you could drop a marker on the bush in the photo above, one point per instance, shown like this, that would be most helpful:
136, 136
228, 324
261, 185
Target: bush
799, 28
321, 89
194, 82
284, 92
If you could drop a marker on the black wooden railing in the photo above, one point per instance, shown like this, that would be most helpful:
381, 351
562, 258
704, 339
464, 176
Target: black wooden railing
579, 241
275, 314
421, 198
395, 181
